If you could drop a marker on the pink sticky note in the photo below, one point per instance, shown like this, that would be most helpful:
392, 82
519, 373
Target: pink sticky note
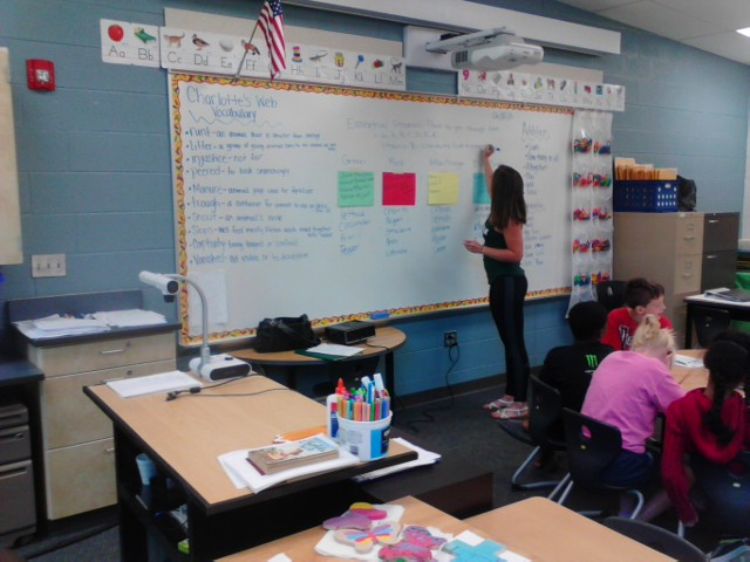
399, 189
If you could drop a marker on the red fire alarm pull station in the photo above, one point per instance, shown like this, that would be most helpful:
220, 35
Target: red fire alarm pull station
41, 75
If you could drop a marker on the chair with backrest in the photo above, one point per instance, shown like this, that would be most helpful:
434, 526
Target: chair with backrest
657, 538
709, 322
611, 294
726, 491
545, 408
592, 446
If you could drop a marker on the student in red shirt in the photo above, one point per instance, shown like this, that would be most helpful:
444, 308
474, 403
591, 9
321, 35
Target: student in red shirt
641, 298
711, 422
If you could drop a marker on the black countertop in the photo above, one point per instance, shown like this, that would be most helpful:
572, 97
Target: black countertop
18, 371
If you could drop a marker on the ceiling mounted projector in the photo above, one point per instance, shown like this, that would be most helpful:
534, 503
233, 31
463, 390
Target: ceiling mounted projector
493, 49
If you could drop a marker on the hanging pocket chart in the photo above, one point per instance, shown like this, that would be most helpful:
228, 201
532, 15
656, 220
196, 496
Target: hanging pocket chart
340, 203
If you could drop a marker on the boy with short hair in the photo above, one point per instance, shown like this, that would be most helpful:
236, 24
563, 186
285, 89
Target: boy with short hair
569, 368
641, 298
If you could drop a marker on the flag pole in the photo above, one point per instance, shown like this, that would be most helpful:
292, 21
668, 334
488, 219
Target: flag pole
248, 46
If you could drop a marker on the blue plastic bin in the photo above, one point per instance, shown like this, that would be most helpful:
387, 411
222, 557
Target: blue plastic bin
646, 196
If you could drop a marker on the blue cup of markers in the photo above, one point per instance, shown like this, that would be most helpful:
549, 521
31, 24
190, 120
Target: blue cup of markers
368, 440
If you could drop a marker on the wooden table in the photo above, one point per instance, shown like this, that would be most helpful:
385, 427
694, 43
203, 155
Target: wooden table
544, 531
386, 340
184, 437
690, 378
536, 528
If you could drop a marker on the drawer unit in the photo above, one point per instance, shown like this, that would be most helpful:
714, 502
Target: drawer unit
102, 354
688, 233
70, 417
15, 444
721, 231
17, 493
687, 274
719, 269
80, 478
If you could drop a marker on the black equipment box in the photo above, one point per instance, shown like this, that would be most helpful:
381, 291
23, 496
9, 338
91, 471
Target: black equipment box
350, 332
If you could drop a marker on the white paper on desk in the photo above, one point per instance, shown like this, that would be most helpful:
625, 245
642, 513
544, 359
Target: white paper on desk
336, 349
687, 361
130, 317
243, 474
151, 384
424, 458
56, 326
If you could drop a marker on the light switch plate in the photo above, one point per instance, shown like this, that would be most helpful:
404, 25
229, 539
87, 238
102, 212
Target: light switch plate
48, 265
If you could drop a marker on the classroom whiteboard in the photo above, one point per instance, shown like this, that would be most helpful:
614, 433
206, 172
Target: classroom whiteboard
340, 203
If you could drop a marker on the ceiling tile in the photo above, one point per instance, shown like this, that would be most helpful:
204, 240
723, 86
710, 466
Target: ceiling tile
596, 5
731, 14
730, 45
661, 20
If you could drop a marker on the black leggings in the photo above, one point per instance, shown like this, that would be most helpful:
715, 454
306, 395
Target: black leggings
507, 294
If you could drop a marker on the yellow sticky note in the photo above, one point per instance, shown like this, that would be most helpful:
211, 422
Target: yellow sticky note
442, 189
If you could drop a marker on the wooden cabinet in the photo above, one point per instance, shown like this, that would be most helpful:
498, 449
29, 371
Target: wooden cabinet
76, 435
10, 210
685, 252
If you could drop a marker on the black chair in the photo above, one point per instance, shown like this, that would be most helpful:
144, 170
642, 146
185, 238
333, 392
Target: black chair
545, 409
709, 323
611, 294
657, 538
592, 446
727, 496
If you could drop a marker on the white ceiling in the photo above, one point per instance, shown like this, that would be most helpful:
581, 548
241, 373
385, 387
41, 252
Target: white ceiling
709, 25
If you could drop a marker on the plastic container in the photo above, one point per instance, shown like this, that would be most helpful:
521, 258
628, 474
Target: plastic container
332, 422
646, 196
367, 440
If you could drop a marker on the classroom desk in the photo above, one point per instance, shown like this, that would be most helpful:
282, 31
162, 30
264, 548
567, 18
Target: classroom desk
387, 339
535, 528
737, 311
184, 437
547, 532
690, 378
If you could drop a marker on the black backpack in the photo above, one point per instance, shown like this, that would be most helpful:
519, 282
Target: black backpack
687, 194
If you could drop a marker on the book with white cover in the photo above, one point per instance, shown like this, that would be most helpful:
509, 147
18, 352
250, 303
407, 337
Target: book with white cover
161, 382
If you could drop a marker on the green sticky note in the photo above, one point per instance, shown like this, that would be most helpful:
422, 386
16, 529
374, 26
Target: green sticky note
356, 189
481, 194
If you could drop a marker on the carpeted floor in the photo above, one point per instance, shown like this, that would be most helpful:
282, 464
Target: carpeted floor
454, 427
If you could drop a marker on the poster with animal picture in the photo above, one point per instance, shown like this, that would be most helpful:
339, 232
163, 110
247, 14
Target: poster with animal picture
129, 43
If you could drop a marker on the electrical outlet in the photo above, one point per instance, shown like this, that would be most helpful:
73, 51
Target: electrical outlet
450, 339
48, 265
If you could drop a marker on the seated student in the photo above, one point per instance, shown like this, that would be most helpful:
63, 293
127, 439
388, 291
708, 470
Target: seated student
569, 368
628, 391
711, 422
641, 298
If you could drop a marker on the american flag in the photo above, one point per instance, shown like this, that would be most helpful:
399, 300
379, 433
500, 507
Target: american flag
271, 23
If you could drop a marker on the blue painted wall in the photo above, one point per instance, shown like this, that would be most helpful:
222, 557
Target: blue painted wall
94, 157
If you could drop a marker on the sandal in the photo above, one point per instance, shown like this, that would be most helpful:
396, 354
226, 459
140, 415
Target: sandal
498, 404
511, 413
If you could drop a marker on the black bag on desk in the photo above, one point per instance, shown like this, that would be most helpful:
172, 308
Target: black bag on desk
285, 334
687, 194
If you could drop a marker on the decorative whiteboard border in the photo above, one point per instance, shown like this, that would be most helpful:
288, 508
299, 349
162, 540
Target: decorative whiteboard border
180, 196
508, 85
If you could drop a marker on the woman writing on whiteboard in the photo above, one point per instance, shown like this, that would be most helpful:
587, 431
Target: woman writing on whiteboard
502, 253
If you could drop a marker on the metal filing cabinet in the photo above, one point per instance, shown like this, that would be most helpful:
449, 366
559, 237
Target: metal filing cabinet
720, 238
18, 512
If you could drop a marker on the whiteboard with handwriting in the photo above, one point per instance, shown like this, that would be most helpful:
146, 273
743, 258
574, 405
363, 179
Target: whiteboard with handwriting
341, 203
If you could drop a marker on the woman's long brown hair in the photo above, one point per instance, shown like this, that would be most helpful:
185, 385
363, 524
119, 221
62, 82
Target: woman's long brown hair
508, 202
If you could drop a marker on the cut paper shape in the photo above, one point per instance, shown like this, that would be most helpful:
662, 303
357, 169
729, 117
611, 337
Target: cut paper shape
442, 189
417, 535
486, 551
356, 189
481, 193
349, 520
368, 510
399, 189
405, 552
364, 541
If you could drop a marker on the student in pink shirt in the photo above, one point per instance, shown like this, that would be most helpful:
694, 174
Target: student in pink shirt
628, 391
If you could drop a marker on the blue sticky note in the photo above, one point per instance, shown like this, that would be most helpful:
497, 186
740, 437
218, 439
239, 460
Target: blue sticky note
481, 195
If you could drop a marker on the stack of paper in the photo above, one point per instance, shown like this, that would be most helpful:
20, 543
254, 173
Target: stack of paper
244, 475
687, 361
151, 384
57, 326
331, 351
424, 458
129, 318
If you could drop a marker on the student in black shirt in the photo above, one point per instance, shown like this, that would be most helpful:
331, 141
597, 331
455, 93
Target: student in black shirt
569, 368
